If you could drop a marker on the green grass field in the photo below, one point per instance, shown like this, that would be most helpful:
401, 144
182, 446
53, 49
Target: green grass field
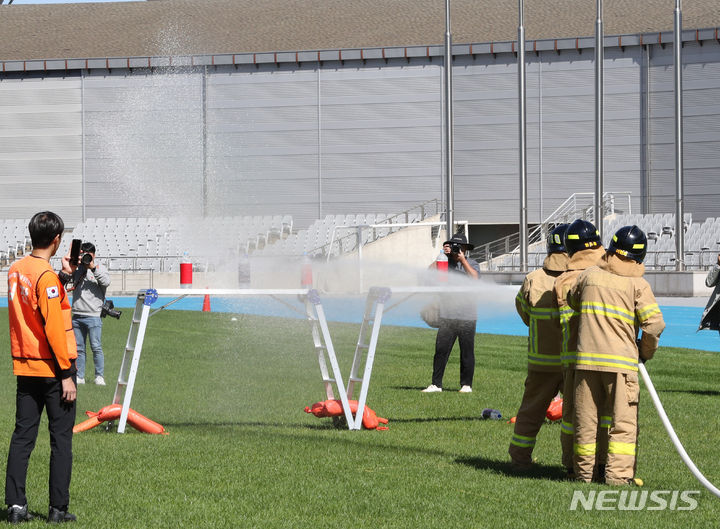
242, 453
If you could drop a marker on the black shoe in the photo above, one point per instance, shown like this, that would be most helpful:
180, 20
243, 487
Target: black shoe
17, 514
58, 516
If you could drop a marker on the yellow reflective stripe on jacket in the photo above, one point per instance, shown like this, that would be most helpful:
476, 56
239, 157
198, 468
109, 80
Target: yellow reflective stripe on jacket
543, 313
612, 311
605, 421
606, 360
585, 450
568, 359
535, 314
523, 302
522, 441
567, 428
623, 449
544, 360
566, 313
648, 311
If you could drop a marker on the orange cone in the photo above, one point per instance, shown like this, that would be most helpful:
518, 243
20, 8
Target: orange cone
206, 303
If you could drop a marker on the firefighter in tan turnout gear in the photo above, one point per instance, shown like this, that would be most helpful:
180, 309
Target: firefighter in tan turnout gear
537, 307
582, 243
615, 303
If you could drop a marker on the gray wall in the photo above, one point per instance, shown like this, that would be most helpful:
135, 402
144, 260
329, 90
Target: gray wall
312, 142
313, 139
701, 119
143, 143
41, 146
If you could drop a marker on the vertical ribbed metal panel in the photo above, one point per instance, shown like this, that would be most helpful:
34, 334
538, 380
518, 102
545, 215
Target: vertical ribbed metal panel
143, 143
486, 178
308, 142
316, 139
262, 141
381, 144
701, 135
40, 147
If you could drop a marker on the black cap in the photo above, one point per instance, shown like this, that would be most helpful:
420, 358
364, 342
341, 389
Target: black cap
459, 238
88, 247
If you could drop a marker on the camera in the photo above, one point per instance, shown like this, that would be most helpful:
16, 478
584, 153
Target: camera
455, 248
108, 309
75, 258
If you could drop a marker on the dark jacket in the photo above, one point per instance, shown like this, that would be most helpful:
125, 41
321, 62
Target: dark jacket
711, 316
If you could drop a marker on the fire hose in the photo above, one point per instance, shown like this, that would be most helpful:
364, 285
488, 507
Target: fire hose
673, 436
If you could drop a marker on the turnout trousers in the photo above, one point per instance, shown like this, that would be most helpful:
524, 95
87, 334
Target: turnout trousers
540, 388
34, 394
597, 392
567, 432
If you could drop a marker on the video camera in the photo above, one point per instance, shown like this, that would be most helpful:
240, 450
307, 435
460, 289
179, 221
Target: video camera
108, 309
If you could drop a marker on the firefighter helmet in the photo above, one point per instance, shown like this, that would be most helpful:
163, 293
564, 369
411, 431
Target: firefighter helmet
630, 242
556, 239
581, 235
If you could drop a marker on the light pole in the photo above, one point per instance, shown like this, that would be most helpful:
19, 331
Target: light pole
522, 128
679, 223
599, 117
449, 191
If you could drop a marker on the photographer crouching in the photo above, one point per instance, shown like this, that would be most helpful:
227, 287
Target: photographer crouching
458, 315
90, 284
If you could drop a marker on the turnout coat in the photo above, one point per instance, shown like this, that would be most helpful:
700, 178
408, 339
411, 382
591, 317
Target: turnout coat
615, 303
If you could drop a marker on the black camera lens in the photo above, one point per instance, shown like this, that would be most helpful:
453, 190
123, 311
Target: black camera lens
455, 248
86, 259
108, 309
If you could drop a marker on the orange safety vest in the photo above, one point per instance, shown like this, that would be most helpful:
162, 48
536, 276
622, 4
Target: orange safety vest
41, 333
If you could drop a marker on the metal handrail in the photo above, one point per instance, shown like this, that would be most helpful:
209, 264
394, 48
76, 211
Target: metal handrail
578, 205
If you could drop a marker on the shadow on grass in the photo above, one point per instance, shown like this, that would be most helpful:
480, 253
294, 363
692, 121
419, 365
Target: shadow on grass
304, 432
438, 419
419, 388
702, 392
537, 471
225, 424
323, 424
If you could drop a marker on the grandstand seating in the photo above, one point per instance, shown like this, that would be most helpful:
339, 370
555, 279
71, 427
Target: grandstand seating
156, 243
337, 234
146, 243
14, 240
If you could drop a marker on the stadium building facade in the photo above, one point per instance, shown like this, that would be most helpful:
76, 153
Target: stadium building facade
351, 128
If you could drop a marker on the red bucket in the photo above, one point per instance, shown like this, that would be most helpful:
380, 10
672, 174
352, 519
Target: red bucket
185, 275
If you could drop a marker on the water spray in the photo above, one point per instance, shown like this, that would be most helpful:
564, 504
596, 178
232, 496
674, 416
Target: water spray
673, 436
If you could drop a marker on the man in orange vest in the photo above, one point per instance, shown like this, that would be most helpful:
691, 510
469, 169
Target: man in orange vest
43, 349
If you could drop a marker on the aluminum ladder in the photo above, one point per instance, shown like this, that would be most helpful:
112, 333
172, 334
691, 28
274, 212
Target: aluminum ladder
364, 357
131, 360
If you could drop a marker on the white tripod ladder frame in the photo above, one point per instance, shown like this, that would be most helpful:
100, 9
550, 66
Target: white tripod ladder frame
314, 312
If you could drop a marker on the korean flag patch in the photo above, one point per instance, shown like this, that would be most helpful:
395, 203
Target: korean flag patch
53, 292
